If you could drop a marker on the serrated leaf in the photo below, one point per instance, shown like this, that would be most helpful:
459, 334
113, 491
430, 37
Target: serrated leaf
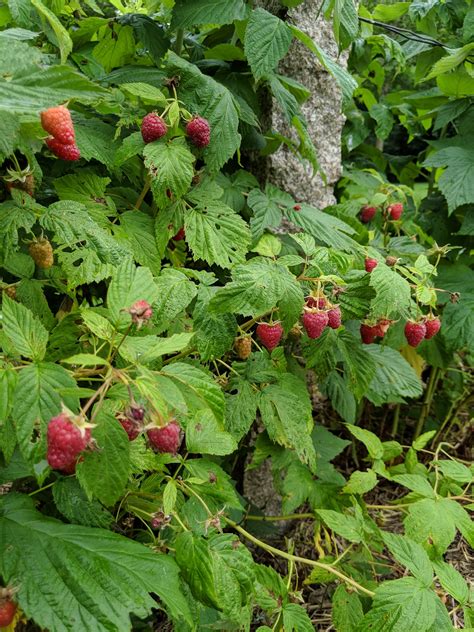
115, 47
186, 14
416, 483
170, 495
346, 526
452, 581
360, 482
146, 349
61, 36
139, 231
296, 619
393, 294
325, 228
342, 399
217, 234
369, 439
99, 325
266, 213
24, 331
124, 572
359, 364
170, 166
175, 292
215, 333
204, 435
267, 40
86, 359
346, 610
73, 503
394, 378
129, 284
103, 473
241, 408
96, 140
430, 522
412, 555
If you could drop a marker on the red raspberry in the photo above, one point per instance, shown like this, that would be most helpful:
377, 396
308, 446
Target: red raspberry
199, 131
315, 323
66, 440
130, 426
367, 214
7, 612
167, 438
368, 333
395, 210
181, 234
141, 312
433, 325
370, 264
297, 207
65, 152
58, 122
334, 318
269, 334
381, 328
319, 302
414, 333
153, 127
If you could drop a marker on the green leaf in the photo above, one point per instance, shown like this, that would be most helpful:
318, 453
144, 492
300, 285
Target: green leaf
452, 581
217, 234
295, 618
266, 212
286, 414
99, 325
24, 331
129, 284
346, 610
456, 471
204, 435
146, 349
170, 495
197, 387
115, 48
214, 102
431, 523
73, 503
39, 393
394, 379
359, 364
170, 167
81, 574
450, 61
342, 399
215, 333
86, 359
416, 483
411, 555
175, 292
393, 295
186, 14
267, 40
369, 439
241, 408
345, 526
96, 140
324, 227
139, 231
61, 36
401, 605
456, 181
360, 482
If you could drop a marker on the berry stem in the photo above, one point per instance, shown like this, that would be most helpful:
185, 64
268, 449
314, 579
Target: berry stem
425, 408
144, 191
302, 560
178, 43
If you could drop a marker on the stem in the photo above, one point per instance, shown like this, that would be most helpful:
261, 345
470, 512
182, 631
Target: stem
178, 43
302, 560
105, 385
141, 197
37, 491
301, 516
396, 420
425, 409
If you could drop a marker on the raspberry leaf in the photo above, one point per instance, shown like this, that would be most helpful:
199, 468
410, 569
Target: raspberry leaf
170, 166
175, 292
393, 294
204, 435
267, 40
394, 379
24, 331
186, 14
120, 573
129, 284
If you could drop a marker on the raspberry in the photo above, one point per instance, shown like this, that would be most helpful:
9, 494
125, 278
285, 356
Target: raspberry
7, 612
243, 347
166, 438
130, 426
370, 264
181, 234
367, 333
136, 412
334, 318
395, 210
319, 302
414, 333
67, 437
41, 251
199, 131
297, 207
269, 335
10, 291
433, 325
153, 127
381, 328
140, 312
315, 323
65, 152
367, 214
58, 122
391, 261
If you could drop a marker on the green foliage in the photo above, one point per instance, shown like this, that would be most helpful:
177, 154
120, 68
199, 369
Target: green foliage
167, 256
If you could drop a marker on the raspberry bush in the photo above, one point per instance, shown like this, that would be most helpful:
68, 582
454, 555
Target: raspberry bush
169, 324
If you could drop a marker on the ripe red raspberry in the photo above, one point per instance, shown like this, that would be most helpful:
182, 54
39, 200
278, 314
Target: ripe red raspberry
67, 438
7, 612
315, 323
367, 214
166, 438
41, 251
370, 264
297, 207
414, 332
58, 122
181, 234
395, 210
65, 152
153, 127
199, 131
433, 325
319, 302
269, 334
130, 426
334, 317
368, 333
141, 312
243, 347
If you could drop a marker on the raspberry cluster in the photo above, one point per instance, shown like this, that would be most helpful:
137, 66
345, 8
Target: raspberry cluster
57, 121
